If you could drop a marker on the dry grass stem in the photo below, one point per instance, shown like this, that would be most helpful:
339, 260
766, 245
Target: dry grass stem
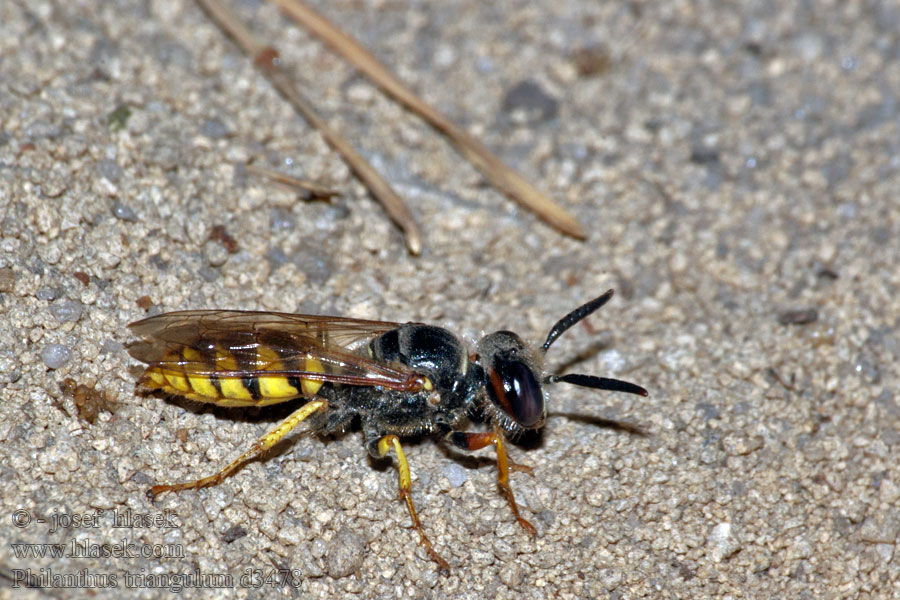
264, 57
315, 190
503, 177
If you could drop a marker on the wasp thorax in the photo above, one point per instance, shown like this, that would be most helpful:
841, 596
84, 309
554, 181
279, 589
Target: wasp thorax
512, 379
432, 351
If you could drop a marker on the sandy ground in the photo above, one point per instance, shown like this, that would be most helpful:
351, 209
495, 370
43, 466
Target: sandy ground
736, 168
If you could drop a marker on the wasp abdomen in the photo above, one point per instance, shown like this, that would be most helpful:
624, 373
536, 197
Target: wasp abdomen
215, 375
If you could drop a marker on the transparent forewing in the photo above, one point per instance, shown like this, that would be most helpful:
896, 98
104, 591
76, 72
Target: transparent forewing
232, 344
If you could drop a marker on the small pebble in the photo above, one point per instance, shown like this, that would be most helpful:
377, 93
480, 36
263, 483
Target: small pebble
47, 294
216, 254
456, 474
123, 212
56, 355
723, 542
528, 103
345, 553
66, 311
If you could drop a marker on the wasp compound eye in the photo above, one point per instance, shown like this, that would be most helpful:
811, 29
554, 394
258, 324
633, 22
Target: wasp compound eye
516, 391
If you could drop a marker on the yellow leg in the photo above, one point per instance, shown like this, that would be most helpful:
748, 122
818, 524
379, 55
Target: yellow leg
503, 481
261, 445
475, 441
384, 446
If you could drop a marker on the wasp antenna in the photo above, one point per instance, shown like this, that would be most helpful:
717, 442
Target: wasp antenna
573, 317
598, 383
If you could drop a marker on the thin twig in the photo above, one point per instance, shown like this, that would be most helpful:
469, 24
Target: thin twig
265, 58
315, 190
511, 183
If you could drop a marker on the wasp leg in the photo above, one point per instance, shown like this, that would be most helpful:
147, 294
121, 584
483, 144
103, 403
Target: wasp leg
261, 445
384, 446
476, 441
514, 466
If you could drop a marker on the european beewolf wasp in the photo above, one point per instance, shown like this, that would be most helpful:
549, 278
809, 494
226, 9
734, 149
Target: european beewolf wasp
396, 379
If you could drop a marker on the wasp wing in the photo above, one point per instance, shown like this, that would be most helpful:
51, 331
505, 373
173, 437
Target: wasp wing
268, 343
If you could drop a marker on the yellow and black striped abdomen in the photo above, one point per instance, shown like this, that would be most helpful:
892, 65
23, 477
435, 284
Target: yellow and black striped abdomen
219, 377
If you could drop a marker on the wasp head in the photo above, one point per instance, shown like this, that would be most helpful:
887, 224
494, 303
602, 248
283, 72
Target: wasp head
513, 374
512, 380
